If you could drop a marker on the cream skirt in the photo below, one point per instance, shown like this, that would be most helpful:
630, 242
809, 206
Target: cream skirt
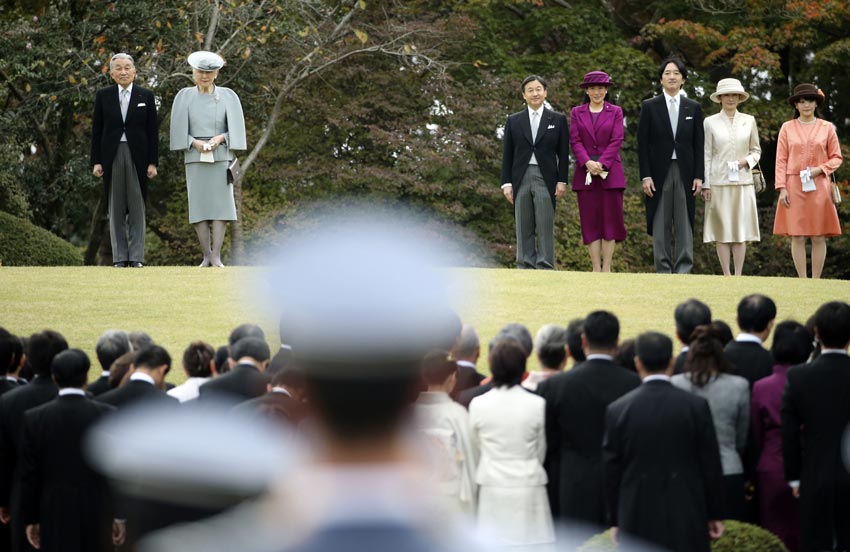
731, 216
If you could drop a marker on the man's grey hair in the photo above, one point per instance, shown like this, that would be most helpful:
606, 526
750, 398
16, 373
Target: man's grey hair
468, 342
111, 345
140, 340
121, 56
550, 335
515, 332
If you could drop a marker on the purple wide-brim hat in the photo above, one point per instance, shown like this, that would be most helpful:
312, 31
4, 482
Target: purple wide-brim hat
596, 78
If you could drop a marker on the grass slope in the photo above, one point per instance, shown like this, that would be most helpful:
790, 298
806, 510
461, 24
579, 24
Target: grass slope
176, 305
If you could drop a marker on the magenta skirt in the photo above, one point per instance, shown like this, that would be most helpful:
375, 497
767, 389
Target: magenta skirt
601, 213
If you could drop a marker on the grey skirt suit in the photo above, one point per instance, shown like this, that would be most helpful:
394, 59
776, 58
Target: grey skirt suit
201, 116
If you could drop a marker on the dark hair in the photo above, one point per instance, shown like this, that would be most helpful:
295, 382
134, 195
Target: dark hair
245, 330
253, 347
356, 408
654, 351
120, 368
7, 351
601, 329
197, 358
42, 348
153, 357
507, 364
723, 331
755, 312
532, 78
283, 371
437, 367
680, 65
688, 316
705, 356
111, 345
625, 356
816, 345
222, 354
70, 368
792, 343
574, 330
832, 323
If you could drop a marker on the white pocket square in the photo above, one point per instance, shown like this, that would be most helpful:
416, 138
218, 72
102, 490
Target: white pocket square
141, 105
688, 118
550, 127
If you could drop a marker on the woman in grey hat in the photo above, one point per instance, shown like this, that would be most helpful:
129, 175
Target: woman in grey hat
206, 124
731, 152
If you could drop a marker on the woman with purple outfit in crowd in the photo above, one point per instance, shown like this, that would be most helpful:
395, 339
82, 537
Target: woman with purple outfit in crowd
778, 509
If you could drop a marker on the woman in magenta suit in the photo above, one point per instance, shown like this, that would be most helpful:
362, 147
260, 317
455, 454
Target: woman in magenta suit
778, 508
596, 134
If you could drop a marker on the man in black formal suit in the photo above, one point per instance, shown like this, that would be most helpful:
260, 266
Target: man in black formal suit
747, 354
110, 345
535, 168
41, 349
688, 315
670, 153
663, 477
64, 503
125, 152
146, 382
247, 379
285, 397
575, 418
815, 416
466, 354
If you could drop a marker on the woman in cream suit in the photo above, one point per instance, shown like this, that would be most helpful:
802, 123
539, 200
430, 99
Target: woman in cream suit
731, 151
508, 423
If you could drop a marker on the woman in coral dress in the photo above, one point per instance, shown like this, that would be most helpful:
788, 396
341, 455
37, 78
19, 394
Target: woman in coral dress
805, 209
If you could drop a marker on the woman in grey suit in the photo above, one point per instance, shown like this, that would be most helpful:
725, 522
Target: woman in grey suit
706, 373
206, 124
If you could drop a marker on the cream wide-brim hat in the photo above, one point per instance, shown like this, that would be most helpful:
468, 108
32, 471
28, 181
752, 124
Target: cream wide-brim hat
205, 61
729, 86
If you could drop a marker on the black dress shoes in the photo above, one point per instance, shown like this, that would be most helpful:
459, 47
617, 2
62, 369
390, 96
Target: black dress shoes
136, 264
121, 264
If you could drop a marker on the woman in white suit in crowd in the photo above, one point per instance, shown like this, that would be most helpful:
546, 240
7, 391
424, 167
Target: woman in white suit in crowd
508, 423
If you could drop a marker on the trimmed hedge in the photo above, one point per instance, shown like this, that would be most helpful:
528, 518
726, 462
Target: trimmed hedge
738, 537
24, 244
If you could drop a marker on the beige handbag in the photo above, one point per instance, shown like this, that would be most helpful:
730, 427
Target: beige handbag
758, 179
836, 192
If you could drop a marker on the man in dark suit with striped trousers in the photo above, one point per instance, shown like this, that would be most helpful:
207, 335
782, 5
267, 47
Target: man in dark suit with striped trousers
535, 167
670, 153
125, 152
815, 429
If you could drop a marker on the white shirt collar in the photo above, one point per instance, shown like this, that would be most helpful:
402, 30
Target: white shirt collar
282, 390
834, 352
71, 391
141, 376
657, 377
599, 356
105, 374
129, 89
538, 111
10, 378
748, 338
465, 363
685, 348
668, 97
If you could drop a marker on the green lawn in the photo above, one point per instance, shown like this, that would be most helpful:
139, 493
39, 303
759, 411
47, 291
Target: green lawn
178, 304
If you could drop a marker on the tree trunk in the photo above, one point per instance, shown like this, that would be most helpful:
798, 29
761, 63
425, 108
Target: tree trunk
98, 222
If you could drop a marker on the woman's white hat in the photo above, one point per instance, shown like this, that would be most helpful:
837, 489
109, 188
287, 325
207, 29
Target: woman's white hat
728, 86
205, 61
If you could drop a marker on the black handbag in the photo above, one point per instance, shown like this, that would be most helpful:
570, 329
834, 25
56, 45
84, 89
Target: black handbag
234, 171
